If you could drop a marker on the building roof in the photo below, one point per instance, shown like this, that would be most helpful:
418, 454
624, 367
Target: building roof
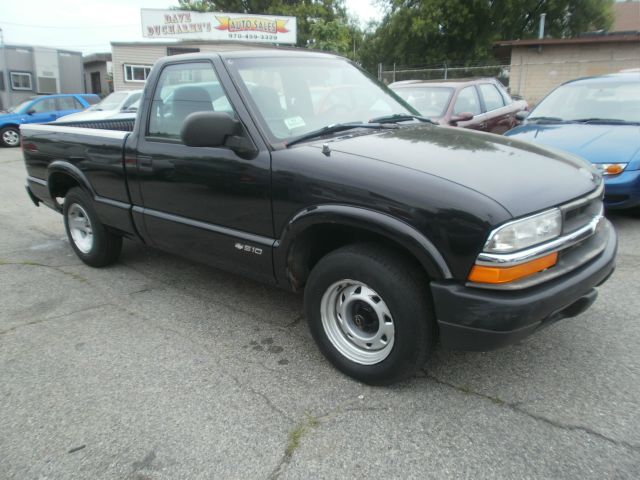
97, 57
626, 16
593, 39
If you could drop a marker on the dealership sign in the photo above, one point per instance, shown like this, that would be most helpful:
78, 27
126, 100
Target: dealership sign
217, 26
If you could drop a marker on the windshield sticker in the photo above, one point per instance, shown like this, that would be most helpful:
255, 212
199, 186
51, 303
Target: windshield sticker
294, 122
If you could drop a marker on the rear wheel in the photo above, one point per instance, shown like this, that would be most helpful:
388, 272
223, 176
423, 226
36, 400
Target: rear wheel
368, 310
93, 243
10, 137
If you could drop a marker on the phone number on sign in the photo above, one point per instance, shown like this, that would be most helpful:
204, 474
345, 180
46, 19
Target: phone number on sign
253, 36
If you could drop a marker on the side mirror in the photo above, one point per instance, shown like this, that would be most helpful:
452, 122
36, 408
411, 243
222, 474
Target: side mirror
31, 111
522, 115
461, 117
215, 129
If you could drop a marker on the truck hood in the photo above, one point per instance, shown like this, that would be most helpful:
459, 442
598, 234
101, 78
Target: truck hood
522, 177
596, 143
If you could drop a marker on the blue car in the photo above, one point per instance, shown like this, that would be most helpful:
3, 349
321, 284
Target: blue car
597, 118
42, 109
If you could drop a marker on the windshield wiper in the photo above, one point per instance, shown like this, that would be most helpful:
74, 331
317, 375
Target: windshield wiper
614, 121
545, 120
337, 127
400, 117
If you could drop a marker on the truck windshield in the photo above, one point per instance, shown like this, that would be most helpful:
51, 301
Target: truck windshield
295, 96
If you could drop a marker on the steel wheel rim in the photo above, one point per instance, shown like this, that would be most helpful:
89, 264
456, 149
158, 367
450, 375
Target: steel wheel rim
80, 228
11, 137
357, 322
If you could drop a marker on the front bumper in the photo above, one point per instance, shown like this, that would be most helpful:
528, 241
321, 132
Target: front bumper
477, 319
623, 190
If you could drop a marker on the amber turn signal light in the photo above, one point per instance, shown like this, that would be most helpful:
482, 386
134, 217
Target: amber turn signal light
614, 169
484, 274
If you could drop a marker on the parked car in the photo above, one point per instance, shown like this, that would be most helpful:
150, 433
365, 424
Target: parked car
40, 109
399, 232
116, 105
597, 118
481, 104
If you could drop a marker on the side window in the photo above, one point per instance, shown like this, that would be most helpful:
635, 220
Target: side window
467, 101
182, 90
69, 103
492, 98
44, 106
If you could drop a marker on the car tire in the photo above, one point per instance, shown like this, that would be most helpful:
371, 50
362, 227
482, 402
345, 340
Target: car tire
369, 311
92, 242
10, 137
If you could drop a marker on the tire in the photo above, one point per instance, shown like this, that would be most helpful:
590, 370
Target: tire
93, 243
370, 313
10, 137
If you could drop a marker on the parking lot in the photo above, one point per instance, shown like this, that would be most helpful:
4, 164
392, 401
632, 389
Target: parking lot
159, 368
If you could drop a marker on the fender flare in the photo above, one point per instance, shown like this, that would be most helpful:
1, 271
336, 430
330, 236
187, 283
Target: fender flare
67, 168
377, 222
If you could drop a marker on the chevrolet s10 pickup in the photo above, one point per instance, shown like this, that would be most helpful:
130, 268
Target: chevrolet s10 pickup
300, 170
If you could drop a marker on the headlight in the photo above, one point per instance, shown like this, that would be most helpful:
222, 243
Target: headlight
524, 233
610, 168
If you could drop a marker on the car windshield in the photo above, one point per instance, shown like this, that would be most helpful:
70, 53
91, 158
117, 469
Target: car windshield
296, 96
111, 101
20, 106
595, 101
430, 101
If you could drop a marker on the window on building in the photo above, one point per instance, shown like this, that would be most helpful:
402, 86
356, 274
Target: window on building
1, 81
21, 81
136, 73
492, 98
69, 103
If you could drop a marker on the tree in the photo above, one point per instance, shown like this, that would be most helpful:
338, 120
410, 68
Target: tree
423, 32
321, 24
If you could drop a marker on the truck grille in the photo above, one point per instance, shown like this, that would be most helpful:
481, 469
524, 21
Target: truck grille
579, 213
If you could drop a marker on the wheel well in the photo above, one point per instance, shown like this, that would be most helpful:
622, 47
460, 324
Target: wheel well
60, 183
318, 240
10, 125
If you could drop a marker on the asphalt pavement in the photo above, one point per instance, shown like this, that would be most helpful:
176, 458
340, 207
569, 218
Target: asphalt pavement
160, 368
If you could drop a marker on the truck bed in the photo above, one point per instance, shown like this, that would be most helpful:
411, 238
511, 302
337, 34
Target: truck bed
92, 153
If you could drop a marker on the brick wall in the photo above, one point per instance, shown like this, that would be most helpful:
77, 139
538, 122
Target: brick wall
534, 72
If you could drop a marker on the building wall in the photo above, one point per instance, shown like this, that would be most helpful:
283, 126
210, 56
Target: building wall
100, 68
58, 71
535, 73
147, 54
71, 72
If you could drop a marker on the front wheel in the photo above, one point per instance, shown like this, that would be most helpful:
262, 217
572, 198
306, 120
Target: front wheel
93, 243
369, 311
10, 137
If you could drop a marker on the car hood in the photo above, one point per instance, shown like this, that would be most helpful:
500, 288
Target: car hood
10, 117
522, 177
596, 143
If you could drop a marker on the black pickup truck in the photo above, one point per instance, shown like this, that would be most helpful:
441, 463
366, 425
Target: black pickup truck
298, 169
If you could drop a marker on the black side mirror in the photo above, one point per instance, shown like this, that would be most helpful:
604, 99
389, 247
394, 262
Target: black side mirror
522, 115
215, 129
31, 111
461, 117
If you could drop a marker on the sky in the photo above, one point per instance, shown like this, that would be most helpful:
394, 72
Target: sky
90, 25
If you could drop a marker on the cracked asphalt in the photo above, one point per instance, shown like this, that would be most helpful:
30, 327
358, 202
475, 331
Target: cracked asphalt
159, 368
